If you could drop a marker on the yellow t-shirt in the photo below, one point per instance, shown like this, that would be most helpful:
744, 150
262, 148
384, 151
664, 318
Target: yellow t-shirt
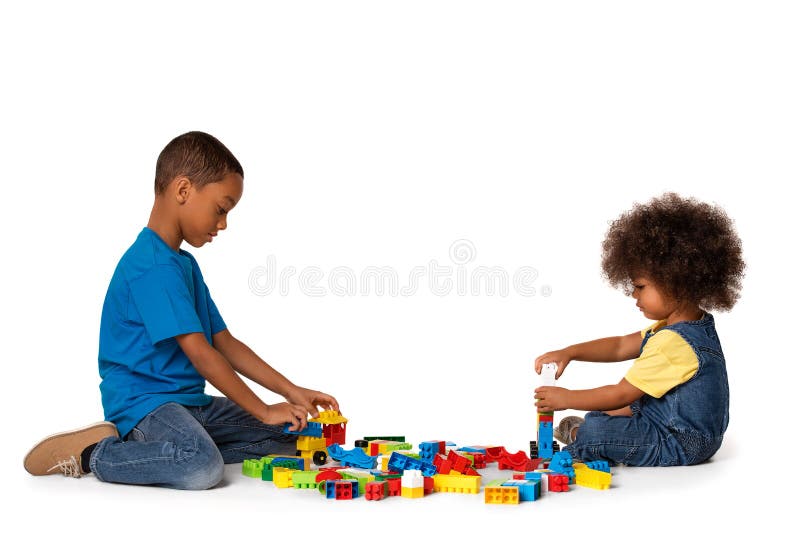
666, 361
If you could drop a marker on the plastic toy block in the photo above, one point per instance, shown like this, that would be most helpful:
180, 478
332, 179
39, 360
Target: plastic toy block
312, 429
252, 467
334, 426
361, 477
305, 479
270, 464
352, 458
458, 462
294, 462
591, 478
599, 465
375, 491
457, 483
310, 443
326, 475
412, 493
493, 454
329, 417
557, 482
385, 438
427, 485
562, 463
518, 461
429, 449
501, 495
442, 464
341, 489
400, 462
282, 477
472, 448
412, 478
478, 460
385, 447
545, 449
385, 475
529, 490
394, 485
470, 471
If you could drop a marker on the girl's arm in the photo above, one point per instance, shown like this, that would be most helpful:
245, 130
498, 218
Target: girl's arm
604, 398
607, 349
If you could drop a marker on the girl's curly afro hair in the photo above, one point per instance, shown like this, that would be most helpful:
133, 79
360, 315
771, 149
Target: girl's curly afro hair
688, 248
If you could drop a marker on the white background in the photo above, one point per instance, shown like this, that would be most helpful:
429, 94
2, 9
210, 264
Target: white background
377, 134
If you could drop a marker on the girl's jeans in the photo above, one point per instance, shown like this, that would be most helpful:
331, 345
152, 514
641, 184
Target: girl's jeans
184, 447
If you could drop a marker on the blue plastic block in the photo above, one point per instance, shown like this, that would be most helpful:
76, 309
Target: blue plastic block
545, 440
533, 475
400, 462
313, 429
599, 465
529, 490
352, 458
562, 463
481, 450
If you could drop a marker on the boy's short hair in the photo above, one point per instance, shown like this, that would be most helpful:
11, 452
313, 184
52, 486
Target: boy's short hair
197, 155
690, 249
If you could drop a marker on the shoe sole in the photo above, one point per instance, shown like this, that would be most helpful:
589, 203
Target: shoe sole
49, 451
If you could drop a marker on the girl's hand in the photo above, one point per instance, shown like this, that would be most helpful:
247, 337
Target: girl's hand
311, 400
551, 398
559, 357
285, 412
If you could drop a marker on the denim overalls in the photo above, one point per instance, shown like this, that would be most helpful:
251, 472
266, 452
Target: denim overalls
684, 427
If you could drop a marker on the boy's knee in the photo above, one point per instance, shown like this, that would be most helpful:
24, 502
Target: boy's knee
203, 471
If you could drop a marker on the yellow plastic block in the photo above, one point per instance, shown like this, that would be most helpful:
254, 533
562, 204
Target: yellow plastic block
591, 478
282, 477
412, 493
501, 495
329, 417
310, 443
457, 483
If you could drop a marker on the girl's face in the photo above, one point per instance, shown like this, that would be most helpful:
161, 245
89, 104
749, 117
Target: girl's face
653, 302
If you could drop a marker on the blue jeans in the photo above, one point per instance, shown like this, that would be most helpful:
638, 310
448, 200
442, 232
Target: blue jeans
629, 440
184, 447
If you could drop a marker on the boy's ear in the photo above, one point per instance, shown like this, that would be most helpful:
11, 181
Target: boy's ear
181, 187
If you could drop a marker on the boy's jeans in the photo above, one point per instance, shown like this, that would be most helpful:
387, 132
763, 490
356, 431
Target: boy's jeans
184, 447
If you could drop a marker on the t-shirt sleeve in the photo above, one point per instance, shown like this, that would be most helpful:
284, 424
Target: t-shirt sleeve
666, 361
165, 303
217, 324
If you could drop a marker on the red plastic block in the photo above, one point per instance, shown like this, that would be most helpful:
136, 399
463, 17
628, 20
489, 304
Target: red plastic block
494, 453
328, 475
394, 485
442, 464
427, 485
375, 491
518, 461
557, 482
478, 460
459, 463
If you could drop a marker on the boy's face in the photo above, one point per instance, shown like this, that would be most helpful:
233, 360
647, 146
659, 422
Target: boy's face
651, 301
204, 212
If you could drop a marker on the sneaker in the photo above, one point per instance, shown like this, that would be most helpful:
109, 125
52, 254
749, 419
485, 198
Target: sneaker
61, 453
564, 431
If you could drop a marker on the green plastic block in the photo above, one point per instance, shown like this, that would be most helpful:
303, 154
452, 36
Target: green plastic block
385, 438
305, 479
252, 468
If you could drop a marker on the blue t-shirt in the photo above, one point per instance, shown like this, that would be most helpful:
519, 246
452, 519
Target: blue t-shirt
155, 294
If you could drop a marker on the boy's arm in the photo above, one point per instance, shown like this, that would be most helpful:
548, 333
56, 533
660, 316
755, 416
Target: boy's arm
215, 368
248, 363
604, 398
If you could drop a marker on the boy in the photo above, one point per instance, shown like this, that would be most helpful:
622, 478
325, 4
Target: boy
162, 337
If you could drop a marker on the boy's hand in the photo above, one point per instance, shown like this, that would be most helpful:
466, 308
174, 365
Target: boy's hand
551, 398
558, 357
310, 400
285, 412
